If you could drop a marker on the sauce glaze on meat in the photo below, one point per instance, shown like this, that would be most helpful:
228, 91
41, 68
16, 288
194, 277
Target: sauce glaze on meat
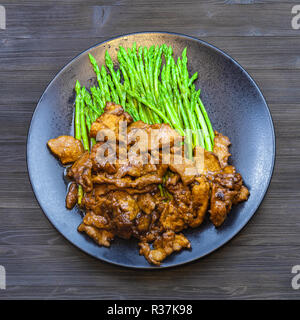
124, 199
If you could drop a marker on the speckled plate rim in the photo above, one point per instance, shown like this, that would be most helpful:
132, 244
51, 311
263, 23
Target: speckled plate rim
254, 209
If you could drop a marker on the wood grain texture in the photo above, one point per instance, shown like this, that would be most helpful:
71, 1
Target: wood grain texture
41, 37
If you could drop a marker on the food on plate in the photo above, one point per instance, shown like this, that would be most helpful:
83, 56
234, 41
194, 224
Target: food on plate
145, 162
151, 202
66, 148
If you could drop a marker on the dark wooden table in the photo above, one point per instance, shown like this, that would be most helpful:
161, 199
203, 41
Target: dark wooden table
41, 37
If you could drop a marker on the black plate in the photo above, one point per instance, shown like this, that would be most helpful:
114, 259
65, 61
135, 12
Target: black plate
236, 108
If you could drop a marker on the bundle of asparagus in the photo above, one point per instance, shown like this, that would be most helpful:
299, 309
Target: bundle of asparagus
149, 91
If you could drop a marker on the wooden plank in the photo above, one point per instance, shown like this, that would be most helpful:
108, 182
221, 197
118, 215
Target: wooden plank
197, 18
41, 54
41, 37
278, 86
249, 269
141, 2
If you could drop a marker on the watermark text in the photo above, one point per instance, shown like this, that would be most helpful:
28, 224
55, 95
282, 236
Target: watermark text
147, 145
2, 278
2, 18
296, 19
296, 279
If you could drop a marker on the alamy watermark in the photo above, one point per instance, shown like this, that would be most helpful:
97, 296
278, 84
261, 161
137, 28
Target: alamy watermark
296, 279
2, 278
296, 19
147, 145
2, 18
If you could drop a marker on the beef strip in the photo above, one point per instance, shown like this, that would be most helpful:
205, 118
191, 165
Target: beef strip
127, 182
158, 135
146, 202
227, 189
100, 236
98, 221
81, 172
164, 245
188, 206
206, 161
221, 148
184, 167
151, 201
200, 200
102, 189
72, 196
110, 119
66, 148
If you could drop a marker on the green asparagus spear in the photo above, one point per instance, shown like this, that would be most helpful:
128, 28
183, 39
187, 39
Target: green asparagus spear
115, 79
207, 120
78, 128
99, 79
113, 92
77, 111
173, 99
193, 78
89, 102
150, 105
84, 134
105, 84
97, 99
